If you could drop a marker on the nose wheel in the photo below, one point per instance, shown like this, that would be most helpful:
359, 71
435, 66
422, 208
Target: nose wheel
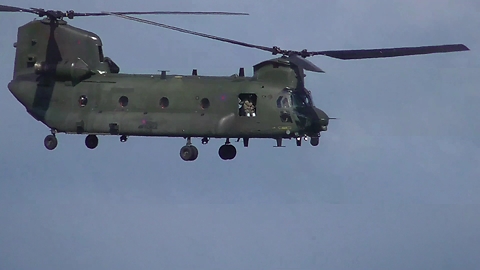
314, 141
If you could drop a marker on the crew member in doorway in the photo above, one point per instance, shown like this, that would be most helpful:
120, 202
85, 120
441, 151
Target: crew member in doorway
249, 108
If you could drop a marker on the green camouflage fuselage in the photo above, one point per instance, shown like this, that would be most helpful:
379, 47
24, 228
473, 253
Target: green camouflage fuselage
64, 81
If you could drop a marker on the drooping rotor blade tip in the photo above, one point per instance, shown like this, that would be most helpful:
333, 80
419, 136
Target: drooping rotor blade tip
391, 52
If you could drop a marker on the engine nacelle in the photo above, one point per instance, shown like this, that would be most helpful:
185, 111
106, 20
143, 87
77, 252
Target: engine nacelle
66, 71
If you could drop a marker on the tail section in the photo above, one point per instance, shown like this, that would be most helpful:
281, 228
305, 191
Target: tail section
59, 51
48, 52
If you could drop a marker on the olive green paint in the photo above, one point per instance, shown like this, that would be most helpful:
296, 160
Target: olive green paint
57, 63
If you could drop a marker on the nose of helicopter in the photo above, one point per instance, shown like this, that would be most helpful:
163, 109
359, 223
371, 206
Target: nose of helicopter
320, 120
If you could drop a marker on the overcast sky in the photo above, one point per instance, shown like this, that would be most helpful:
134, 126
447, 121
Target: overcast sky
394, 183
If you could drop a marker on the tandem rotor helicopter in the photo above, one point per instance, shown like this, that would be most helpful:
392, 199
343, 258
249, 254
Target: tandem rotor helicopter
63, 79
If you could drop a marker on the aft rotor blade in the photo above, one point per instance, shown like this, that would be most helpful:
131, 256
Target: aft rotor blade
390, 52
76, 14
4, 8
268, 49
71, 14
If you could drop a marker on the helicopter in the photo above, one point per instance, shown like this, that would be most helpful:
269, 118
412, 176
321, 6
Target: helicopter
63, 80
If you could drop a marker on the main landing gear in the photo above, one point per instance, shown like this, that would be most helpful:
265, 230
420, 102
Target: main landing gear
51, 141
189, 152
91, 141
227, 151
314, 141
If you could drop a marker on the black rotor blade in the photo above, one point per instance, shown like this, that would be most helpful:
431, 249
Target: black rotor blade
293, 56
4, 8
390, 52
268, 49
76, 14
71, 14
304, 63
298, 57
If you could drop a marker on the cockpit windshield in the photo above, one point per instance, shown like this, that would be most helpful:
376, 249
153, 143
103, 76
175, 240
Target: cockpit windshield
302, 98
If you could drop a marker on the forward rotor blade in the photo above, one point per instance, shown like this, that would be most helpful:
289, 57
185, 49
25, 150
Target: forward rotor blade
193, 32
160, 12
293, 57
304, 63
390, 52
298, 57
4, 8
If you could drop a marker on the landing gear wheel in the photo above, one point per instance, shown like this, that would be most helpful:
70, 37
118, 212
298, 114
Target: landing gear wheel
299, 141
227, 152
189, 153
314, 141
50, 142
91, 141
123, 138
195, 152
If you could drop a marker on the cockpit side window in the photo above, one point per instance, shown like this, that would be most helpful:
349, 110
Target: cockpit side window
279, 101
100, 54
301, 99
284, 102
308, 97
307, 100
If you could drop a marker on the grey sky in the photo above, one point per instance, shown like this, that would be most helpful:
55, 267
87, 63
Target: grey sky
394, 183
